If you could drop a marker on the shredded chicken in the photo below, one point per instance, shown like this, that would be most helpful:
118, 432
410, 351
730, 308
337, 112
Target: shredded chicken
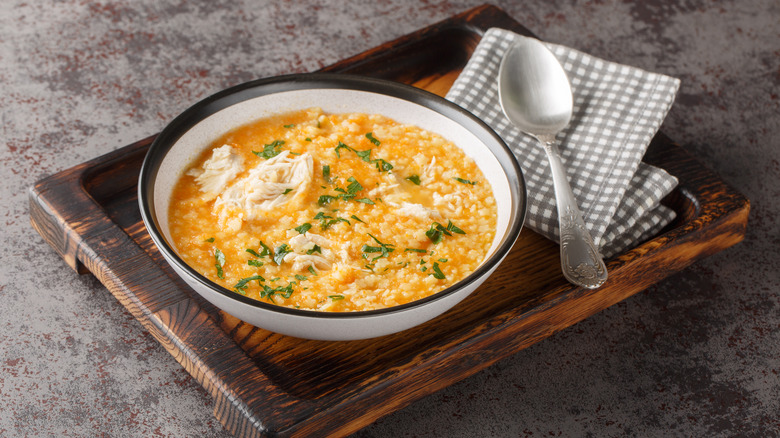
218, 171
304, 243
268, 185
429, 171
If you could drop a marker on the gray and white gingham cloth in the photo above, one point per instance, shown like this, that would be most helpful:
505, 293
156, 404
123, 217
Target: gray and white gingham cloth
617, 111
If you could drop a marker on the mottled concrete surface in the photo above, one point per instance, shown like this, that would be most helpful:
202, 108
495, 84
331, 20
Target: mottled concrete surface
696, 355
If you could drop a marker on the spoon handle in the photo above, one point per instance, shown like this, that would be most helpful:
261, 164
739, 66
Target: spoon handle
580, 259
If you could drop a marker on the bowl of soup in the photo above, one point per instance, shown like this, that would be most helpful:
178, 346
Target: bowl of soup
331, 207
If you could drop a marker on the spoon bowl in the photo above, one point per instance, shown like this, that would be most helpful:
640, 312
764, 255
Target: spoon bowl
534, 90
536, 97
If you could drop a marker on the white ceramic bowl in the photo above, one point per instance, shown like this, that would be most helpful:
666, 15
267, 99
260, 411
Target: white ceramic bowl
186, 136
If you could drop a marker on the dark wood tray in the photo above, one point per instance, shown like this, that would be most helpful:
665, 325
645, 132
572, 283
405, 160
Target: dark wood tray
266, 384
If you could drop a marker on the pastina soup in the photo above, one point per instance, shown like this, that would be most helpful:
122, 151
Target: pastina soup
333, 212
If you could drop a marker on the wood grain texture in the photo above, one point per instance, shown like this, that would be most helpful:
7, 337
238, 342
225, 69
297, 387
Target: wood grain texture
266, 384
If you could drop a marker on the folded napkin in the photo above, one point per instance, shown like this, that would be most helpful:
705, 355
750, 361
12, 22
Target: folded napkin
617, 111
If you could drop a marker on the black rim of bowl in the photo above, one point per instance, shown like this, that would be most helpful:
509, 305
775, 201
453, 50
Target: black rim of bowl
261, 87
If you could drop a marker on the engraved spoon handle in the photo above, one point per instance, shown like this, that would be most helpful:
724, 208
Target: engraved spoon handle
580, 259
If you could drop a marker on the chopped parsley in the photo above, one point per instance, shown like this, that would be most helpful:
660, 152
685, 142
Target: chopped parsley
280, 252
253, 252
302, 229
269, 292
270, 150
255, 263
336, 297
465, 181
453, 228
356, 218
354, 186
315, 248
437, 231
437, 272
326, 199
381, 165
326, 173
209, 240
244, 283
300, 277
291, 125
219, 257
266, 250
415, 250
370, 137
311, 269
384, 249
347, 194
326, 221
415, 179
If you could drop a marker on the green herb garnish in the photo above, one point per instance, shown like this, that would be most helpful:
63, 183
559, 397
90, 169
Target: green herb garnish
220, 262
356, 218
244, 282
437, 272
373, 139
465, 181
437, 231
302, 229
255, 263
415, 179
280, 252
354, 185
270, 150
347, 194
381, 165
384, 249
269, 292
209, 240
266, 250
326, 199
336, 297
326, 221
415, 250
292, 125
453, 228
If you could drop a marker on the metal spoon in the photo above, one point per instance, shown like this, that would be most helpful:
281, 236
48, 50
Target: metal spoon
536, 96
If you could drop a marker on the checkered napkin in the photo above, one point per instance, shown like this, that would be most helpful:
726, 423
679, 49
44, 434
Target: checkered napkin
617, 111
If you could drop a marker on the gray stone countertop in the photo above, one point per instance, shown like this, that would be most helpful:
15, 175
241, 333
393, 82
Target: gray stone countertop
695, 355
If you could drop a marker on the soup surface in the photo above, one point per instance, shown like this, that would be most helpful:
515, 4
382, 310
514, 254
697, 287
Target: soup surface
333, 212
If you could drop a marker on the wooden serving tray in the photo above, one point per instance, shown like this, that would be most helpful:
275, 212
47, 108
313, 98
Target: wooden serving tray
267, 384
